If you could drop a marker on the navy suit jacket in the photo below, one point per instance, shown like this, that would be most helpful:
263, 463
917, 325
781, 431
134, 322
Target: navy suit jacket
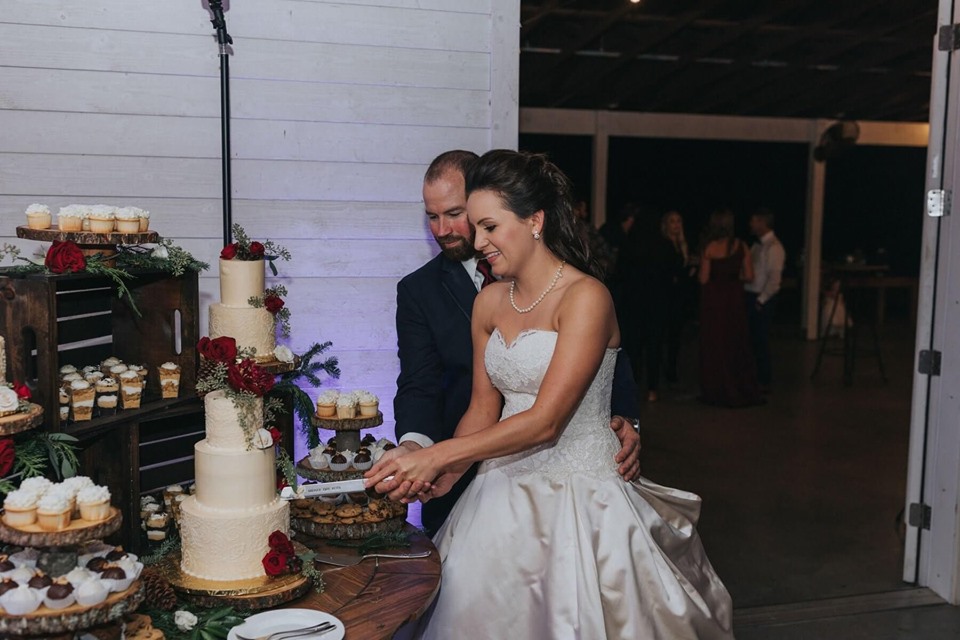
434, 304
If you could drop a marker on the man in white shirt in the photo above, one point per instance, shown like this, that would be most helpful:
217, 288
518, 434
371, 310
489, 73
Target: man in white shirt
768, 260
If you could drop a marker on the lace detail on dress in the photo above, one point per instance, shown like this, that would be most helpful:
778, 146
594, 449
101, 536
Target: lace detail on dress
587, 444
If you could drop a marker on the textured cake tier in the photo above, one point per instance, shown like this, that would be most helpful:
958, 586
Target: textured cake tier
241, 280
228, 544
249, 326
229, 479
222, 417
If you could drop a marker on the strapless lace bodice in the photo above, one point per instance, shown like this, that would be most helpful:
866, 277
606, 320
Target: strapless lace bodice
587, 444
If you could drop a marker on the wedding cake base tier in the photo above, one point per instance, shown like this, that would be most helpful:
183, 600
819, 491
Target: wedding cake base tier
262, 592
17, 422
354, 531
304, 470
44, 621
78, 532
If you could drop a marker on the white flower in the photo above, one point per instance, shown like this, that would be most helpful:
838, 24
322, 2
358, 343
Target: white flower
262, 439
283, 354
161, 252
185, 620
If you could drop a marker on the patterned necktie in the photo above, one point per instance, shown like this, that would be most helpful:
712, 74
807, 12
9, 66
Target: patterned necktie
484, 267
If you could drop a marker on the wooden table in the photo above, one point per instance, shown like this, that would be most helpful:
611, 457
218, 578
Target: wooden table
378, 596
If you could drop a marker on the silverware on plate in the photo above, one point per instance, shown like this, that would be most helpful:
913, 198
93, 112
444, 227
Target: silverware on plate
314, 630
343, 560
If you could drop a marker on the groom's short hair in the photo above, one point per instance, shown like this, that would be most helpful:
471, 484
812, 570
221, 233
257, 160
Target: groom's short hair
457, 160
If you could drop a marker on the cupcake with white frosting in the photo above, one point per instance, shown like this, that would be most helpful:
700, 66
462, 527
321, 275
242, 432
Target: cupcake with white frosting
94, 503
70, 218
53, 511
369, 404
39, 216
128, 219
327, 403
102, 218
346, 406
36, 484
20, 508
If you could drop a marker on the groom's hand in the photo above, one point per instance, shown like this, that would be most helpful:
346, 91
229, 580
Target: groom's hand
629, 455
407, 491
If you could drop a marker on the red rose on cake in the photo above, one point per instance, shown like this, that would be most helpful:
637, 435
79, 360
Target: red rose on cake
65, 257
280, 543
273, 303
23, 391
8, 456
247, 376
257, 250
229, 252
275, 563
222, 349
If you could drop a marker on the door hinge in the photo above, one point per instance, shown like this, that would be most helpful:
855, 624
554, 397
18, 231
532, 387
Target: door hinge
948, 38
938, 202
919, 515
929, 363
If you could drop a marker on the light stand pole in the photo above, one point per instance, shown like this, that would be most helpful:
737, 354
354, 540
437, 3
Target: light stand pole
224, 40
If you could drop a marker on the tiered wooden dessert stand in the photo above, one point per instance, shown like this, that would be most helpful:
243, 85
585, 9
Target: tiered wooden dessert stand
45, 622
347, 439
18, 422
90, 243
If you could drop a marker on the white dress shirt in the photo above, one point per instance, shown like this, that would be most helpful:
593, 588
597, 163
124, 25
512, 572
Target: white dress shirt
768, 259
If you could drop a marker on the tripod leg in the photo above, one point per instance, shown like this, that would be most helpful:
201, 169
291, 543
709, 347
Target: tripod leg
824, 337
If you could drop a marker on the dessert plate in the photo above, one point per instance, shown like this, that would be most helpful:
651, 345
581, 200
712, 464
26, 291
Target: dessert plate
279, 620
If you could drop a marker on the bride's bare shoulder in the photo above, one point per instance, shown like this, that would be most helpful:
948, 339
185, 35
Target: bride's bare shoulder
586, 290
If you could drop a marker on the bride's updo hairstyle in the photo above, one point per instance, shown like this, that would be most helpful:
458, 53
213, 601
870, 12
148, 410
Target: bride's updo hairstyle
527, 183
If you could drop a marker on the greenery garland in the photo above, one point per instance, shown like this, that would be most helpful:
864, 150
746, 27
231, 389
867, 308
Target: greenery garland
308, 370
38, 453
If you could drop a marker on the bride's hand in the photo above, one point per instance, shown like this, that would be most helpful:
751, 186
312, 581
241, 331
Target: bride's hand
439, 487
410, 473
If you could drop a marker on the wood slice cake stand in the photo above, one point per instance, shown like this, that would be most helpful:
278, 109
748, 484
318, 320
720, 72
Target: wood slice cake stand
78, 532
45, 621
90, 243
262, 592
348, 429
17, 422
354, 520
276, 367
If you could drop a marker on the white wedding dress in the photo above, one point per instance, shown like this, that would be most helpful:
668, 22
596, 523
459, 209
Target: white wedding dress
551, 544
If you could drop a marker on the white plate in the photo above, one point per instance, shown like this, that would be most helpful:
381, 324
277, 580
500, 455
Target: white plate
284, 620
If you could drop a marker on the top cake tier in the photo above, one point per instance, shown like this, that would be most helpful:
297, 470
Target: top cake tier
241, 280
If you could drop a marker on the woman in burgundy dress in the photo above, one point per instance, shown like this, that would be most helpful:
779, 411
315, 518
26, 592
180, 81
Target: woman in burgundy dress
728, 374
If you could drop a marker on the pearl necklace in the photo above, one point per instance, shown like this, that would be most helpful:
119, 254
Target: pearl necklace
553, 283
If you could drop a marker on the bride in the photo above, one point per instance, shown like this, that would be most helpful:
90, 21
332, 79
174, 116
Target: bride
548, 541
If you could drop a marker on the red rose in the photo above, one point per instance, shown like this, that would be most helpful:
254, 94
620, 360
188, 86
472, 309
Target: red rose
256, 250
23, 391
273, 303
222, 349
247, 376
229, 252
275, 563
7, 456
275, 434
280, 543
63, 257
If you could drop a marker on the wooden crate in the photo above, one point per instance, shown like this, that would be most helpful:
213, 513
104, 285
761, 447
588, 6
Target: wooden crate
52, 320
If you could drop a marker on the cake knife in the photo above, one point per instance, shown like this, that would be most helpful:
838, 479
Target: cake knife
323, 489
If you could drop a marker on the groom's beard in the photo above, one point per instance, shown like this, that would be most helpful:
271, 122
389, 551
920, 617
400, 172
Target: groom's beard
456, 247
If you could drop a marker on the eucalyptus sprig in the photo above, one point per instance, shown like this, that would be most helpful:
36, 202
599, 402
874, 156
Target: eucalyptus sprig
165, 256
286, 468
309, 371
97, 265
379, 541
168, 546
272, 250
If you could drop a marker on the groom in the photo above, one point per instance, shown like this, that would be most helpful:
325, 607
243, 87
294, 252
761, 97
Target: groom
434, 304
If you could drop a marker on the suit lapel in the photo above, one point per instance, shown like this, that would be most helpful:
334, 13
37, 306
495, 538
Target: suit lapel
456, 283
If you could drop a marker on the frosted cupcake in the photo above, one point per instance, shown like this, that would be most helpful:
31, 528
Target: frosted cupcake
327, 404
94, 503
9, 401
82, 395
20, 508
169, 380
346, 407
70, 218
128, 220
53, 512
131, 389
102, 218
369, 404
36, 484
144, 220
38, 216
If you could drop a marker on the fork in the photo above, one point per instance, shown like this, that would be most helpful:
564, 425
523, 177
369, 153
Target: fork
322, 628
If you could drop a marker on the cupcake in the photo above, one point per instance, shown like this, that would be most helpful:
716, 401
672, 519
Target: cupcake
169, 380
128, 220
9, 401
102, 218
53, 511
20, 508
94, 503
369, 404
346, 407
20, 601
81, 398
60, 594
107, 404
91, 592
107, 385
70, 218
36, 484
327, 404
38, 216
144, 220
131, 389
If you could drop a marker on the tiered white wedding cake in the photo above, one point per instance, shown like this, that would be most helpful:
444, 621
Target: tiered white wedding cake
225, 525
234, 316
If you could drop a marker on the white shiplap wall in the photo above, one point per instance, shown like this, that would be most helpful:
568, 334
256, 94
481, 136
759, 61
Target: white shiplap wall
337, 109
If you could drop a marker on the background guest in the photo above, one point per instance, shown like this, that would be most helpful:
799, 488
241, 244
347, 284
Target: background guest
768, 258
671, 228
